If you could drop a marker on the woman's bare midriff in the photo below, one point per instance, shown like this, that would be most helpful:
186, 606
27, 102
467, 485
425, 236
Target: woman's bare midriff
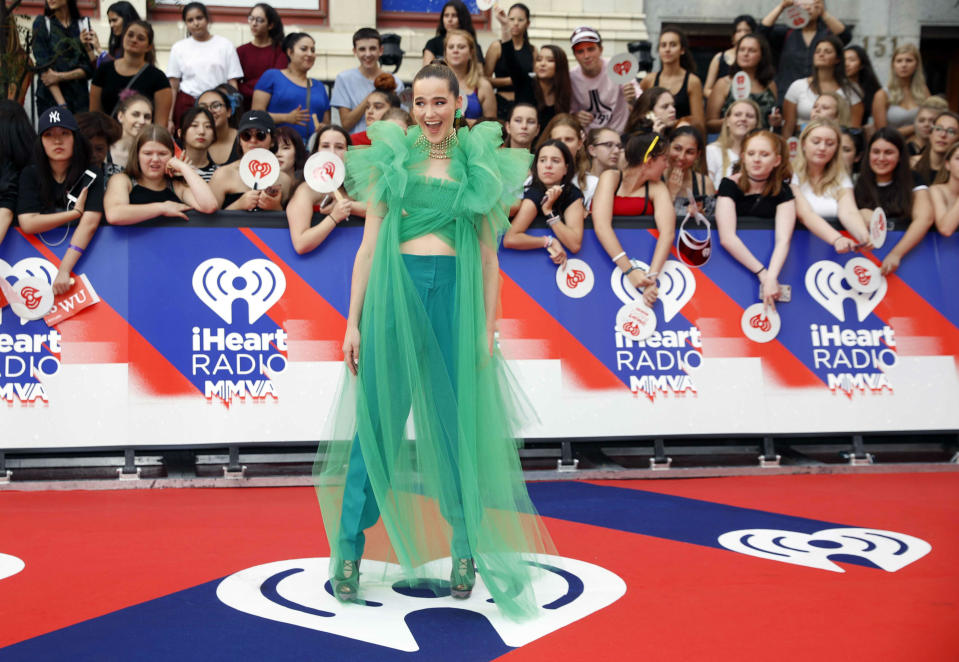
428, 244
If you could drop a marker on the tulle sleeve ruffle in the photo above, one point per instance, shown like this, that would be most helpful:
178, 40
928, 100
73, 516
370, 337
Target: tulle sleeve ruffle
492, 177
377, 174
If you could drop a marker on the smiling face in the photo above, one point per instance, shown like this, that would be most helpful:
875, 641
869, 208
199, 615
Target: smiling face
153, 158
214, 103
550, 166
741, 120
760, 157
457, 50
683, 152
302, 54
522, 126
57, 144
368, 52
820, 146
433, 108
199, 135
545, 66
883, 159
332, 141
137, 115
197, 24
590, 58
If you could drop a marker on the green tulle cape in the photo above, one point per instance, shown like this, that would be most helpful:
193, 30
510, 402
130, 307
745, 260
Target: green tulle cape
412, 471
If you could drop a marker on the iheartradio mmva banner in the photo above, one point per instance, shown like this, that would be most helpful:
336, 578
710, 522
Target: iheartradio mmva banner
225, 334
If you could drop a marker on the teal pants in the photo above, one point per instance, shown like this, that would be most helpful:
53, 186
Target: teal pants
434, 277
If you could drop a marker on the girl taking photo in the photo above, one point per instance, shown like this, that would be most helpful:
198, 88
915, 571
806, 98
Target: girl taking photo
637, 191
156, 184
551, 198
759, 190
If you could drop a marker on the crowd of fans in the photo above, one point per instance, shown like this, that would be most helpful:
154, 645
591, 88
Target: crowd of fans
165, 142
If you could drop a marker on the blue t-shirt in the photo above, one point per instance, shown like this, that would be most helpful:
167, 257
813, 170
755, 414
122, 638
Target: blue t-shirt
349, 90
285, 95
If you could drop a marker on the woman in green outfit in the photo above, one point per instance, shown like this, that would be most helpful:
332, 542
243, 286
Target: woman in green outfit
420, 338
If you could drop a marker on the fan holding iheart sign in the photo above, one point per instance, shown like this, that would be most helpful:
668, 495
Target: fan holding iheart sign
255, 182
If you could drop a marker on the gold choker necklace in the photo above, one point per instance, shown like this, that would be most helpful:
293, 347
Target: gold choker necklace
440, 150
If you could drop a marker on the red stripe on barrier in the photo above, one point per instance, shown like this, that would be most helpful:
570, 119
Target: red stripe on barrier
523, 319
104, 336
718, 317
921, 330
315, 327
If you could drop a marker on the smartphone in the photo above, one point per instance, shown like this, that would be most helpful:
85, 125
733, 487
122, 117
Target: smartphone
85, 181
785, 293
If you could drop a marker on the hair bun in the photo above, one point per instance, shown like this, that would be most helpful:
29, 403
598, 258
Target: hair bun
385, 82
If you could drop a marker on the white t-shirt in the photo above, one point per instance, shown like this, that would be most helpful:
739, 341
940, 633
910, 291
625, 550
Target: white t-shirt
349, 90
826, 205
714, 163
802, 95
202, 65
601, 97
590, 190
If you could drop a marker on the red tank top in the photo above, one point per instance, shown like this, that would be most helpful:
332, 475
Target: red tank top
633, 205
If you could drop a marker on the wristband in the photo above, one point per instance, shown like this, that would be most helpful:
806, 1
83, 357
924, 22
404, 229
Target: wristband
619, 255
652, 275
552, 220
76, 248
631, 269
835, 240
761, 269
548, 242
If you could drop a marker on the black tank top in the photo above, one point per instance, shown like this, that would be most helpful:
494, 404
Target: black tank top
524, 58
141, 195
681, 98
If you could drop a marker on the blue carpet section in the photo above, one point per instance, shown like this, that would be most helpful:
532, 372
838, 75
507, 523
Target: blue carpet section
195, 625
660, 515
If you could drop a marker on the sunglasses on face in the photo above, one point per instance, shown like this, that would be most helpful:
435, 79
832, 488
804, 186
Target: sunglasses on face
250, 134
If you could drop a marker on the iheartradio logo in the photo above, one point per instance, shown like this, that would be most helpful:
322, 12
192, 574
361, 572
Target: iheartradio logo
888, 550
297, 592
676, 286
828, 285
218, 282
29, 267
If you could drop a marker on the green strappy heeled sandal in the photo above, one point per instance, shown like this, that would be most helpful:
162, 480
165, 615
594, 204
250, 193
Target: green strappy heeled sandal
462, 577
346, 580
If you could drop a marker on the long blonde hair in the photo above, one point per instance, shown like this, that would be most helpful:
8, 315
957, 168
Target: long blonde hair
917, 86
832, 175
473, 72
725, 141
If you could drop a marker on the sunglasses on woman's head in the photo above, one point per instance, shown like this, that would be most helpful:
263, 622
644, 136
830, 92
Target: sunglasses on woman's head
249, 134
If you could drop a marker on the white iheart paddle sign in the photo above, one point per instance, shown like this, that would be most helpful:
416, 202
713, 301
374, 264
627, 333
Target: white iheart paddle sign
30, 298
742, 86
622, 68
793, 145
677, 284
796, 16
863, 275
636, 321
324, 172
575, 278
760, 325
878, 227
259, 169
484, 5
